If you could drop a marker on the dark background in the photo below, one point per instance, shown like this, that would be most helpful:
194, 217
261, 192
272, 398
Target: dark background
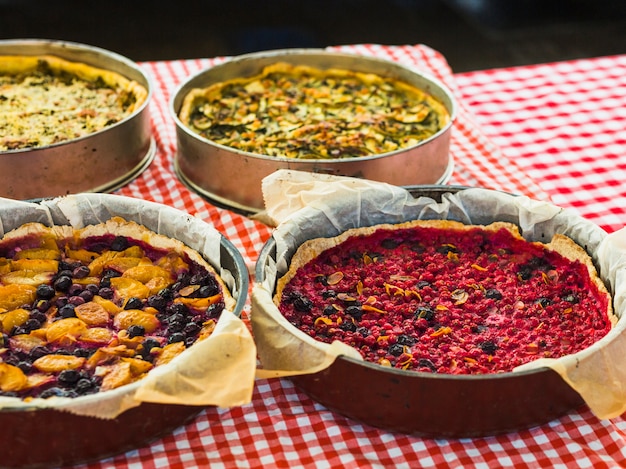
472, 34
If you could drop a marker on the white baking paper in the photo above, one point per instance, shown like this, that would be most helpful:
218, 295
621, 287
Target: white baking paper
306, 206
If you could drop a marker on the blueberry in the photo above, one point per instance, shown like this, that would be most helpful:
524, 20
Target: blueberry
348, 326
396, 349
404, 339
175, 326
355, 311
86, 295
302, 304
67, 311
207, 290
92, 287
424, 312
148, 345
166, 293
76, 300
25, 366
177, 308
81, 271
45, 292
53, 392
32, 324
38, 316
191, 329
488, 347
136, 331
84, 386
493, 294
69, 377
38, 352
75, 289
61, 301
106, 293
63, 283
176, 337
157, 302
41, 305
133, 303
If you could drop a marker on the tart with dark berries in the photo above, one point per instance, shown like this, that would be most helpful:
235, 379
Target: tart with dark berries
93, 309
444, 297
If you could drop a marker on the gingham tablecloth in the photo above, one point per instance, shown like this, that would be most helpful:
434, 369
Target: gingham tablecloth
554, 132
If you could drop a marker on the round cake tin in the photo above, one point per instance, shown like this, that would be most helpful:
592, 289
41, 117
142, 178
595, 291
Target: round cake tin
232, 178
99, 162
51, 437
427, 404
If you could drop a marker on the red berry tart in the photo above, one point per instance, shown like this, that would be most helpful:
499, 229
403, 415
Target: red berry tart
444, 297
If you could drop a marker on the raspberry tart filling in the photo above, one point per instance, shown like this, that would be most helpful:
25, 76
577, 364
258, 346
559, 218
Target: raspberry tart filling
83, 311
442, 297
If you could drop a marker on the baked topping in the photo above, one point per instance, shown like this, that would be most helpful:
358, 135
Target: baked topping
302, 112
47, 100
94, 309
446, 298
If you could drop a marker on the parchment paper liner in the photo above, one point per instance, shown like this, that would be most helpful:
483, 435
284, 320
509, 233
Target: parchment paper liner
216, 371
305, 206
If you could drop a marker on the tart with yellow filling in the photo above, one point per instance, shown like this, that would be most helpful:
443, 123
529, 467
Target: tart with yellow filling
46, 100
92, 309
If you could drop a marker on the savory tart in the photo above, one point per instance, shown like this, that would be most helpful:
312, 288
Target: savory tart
297, 111
444, 297
46, 100
92, 309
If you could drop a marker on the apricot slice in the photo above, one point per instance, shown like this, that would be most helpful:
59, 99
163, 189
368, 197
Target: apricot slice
138, 366
117, 375
172, 262
128, 287
26, 277
199, 303
82, 255
14, 318
109, 305
92, 314
36, 265
12, 378
38, 253
25, 342
55, 363
136, 317
145, 273
97, 335
65, 331
169, 352
121, 264
15, 295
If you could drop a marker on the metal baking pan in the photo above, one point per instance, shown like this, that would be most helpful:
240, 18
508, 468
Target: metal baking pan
100, 162
50, 437
433, 405
232, 178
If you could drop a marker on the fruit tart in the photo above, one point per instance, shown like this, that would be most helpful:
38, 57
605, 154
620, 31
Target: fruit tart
442, 297
92, 309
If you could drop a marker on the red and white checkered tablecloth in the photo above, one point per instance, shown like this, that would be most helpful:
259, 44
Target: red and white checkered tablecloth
554, 132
